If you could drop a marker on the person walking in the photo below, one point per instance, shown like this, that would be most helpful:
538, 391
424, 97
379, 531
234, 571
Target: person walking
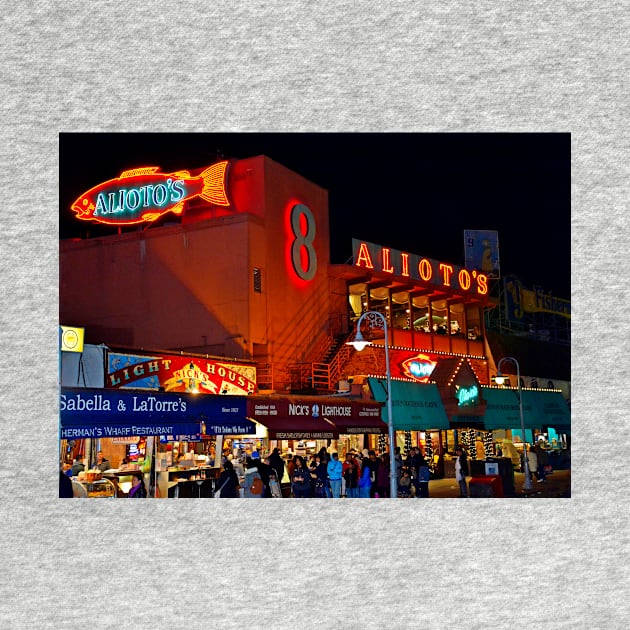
382, 477
334, 470
399, 464
277, 463
371, 462
322, 487
253, 486
461, 470
543, 460
424, 476
301, 479
414, 465
351, 477
227, 482
365, 484
532, 460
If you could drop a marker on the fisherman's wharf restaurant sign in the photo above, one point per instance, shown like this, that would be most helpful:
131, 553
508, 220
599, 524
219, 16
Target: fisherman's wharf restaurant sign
96, 413
180, 374
411, 266
144, 194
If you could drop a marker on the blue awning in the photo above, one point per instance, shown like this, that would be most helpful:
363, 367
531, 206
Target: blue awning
540, 409
415, 406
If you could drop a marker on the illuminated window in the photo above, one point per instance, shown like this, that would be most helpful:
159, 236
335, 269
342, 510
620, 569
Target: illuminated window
257, 280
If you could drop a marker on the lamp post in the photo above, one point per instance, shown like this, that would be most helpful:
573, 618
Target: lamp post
359, 344
499, 380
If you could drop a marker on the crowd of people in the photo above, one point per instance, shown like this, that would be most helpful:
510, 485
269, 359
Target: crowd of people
361, 475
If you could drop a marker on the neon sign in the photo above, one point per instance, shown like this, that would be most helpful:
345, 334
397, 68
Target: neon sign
371, 256
418, 368
467, 396
144, 194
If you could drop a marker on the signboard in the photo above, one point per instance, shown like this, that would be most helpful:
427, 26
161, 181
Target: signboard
315, 418
71, 338
418, 367
144, 194
482, 252
410, 266
519, 301
180, 374
115, 413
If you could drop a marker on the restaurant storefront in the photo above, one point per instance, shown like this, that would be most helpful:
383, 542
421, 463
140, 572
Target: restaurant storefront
117, 421
258, 315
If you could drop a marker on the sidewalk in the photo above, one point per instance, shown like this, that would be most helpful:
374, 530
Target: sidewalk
558, 484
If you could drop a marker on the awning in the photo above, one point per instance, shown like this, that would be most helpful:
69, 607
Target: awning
539, 409
292, 418
415, 406
98, 413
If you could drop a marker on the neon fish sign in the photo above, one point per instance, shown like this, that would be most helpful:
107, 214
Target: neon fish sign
144, 194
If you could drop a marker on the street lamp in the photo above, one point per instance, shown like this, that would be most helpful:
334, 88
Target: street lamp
359, 344
499, 380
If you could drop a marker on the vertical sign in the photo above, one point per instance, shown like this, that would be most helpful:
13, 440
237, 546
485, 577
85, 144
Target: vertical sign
482, 252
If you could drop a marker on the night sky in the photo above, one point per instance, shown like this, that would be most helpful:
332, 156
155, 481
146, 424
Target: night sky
411, 192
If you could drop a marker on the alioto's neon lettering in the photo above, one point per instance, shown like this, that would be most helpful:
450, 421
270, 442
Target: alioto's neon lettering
407, 265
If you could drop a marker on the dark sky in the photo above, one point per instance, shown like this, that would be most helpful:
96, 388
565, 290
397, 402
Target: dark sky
415, 192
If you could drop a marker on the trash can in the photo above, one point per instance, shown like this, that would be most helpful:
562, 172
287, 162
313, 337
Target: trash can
489, 486
499, 466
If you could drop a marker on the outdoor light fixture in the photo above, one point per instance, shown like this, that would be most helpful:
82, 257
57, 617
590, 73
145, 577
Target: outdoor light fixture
374, 319
499, 380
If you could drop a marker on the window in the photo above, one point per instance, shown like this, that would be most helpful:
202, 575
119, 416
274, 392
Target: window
257, 274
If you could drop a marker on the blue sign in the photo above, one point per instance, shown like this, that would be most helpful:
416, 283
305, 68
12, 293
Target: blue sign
115, 413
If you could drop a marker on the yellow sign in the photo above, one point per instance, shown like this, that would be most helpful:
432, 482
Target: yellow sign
71, 339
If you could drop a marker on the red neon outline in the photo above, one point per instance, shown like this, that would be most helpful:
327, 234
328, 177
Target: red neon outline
420, 358
295, 280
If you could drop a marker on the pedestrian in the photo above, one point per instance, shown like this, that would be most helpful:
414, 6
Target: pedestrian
424, 475
532, 461
399, 464
322, 487
365, 484
277, 463
351, 477
543, 460
404, 487
227, 482
334, 470
414, 465
253, 486
138, 489
65, 486
291, 465
461, 470
77, 466
301, 479
265, 471
382, 476
371, 462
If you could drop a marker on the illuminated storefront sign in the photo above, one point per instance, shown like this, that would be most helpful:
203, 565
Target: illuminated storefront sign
383, 259
144, 194
302, 418
418, 368
97, 413
180, 374
467, 396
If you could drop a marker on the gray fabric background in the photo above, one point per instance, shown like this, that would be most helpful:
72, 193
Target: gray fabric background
296, 66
